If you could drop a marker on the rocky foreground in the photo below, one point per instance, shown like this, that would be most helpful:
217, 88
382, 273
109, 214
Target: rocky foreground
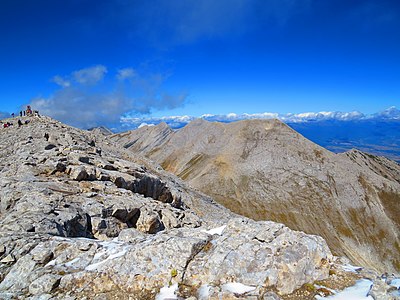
81, 218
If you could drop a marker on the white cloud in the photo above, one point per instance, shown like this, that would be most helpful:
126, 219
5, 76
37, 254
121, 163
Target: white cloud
86, 76
81, 108
61, 81
126, 73
88, 100
321, 116
173, 121
145, 124
91, 75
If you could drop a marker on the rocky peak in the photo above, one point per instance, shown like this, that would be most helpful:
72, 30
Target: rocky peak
101, 130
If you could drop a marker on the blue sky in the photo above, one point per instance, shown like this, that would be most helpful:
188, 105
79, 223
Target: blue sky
90, 62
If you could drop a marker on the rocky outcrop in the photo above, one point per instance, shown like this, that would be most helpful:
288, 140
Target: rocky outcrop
84, 218
278, 259
266, 171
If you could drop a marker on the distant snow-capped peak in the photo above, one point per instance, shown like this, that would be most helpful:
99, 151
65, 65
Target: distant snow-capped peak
391, 113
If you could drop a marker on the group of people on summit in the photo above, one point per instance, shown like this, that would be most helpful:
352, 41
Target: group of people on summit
28, 112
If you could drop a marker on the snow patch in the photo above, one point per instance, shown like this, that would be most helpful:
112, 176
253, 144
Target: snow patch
71, 262
204, 292
217, 230
237, 288
168, 292
396, 283
111, 250
350, 268
51, 263
359, 291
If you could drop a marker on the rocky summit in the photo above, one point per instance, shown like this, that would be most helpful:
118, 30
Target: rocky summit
265, 170
83, 218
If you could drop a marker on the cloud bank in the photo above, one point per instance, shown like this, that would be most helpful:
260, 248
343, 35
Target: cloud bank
392, 113
90, 75
126, 73
86, 76
88, 98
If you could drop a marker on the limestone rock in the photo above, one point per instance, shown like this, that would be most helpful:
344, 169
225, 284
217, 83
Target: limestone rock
8, 259
17, 277
90, 267
78, 173
44, 284
42, 256
149, 222
105, 228
382, 289
130, 235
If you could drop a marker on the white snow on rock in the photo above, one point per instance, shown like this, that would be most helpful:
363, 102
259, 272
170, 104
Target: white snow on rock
217, 230
395, 283
359, 291
71, 263
350, 268
237, 288
204, 292
111, 250
167, 292
51, 263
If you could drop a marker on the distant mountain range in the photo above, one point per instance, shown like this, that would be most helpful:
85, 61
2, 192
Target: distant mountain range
377, 133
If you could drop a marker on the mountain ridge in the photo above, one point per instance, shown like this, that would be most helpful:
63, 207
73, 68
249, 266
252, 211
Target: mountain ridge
264, 169
377, 133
